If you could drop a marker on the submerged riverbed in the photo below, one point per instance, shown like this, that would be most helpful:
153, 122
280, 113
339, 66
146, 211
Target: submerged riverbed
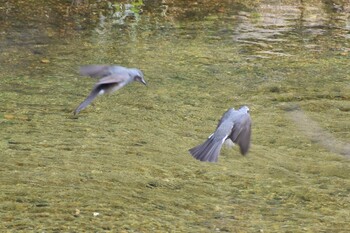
122, 165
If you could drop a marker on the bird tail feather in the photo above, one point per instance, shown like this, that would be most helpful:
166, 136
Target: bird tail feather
208, 151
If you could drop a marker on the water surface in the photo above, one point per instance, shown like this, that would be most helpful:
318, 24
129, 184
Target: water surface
123, 164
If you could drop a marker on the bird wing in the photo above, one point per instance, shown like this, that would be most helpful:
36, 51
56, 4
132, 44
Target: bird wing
111, 83
95, 71
241, 133
113, 79
224, 117
88, 100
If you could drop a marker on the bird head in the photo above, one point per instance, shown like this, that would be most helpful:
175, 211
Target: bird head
244, 109
138, 75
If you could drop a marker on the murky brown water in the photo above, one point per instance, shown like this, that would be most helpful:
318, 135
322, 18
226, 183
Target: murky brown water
122, 165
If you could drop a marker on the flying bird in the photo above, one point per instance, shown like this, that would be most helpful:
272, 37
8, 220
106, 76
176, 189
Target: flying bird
234, 125
111, 78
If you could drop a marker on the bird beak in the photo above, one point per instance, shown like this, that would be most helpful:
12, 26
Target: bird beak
140, 79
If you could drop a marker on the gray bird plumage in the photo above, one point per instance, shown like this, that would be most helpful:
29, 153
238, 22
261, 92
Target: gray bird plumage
111, 78
234, 125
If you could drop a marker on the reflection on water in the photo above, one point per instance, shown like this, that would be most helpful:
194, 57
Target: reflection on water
278, 28
264, 28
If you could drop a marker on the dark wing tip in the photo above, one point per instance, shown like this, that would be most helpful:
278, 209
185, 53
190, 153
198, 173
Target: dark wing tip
244, 138
244, 147
241, 134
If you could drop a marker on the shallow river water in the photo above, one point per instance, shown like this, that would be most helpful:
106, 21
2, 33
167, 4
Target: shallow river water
122, 164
